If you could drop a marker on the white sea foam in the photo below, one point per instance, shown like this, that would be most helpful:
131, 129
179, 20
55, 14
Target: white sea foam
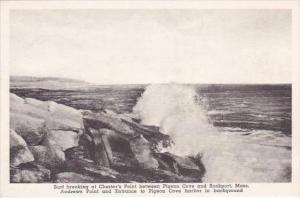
216, 112
228, 157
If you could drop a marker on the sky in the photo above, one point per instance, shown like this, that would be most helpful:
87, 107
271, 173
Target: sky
153, 46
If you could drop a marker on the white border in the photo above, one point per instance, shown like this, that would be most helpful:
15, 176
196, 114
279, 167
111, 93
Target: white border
46, 190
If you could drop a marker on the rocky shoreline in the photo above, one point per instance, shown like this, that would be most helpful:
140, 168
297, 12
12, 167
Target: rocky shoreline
55, 143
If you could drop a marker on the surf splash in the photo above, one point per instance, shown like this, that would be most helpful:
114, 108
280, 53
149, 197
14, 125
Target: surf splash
228, 157
177, 111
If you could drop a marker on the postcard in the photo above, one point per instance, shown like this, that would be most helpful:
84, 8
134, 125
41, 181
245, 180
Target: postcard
149, 98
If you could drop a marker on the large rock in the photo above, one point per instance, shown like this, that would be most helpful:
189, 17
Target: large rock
32, 119
30, 128
102, 120
75, 153
164, 176
71, 177
125, 126
111, 149
18, 105
100, 151
142, 152
114, 148
64, 139
87, 145
57, 112
49, 154
36, 103
14, 99
87, 167
57, 116
186, 166
29, 173
109, 129
64, 118
151, 133
16, 140
19, 153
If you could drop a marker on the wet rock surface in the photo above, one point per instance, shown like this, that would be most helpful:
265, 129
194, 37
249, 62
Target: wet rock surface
51, 142
19, 152
142, 152
71, 177
29, 173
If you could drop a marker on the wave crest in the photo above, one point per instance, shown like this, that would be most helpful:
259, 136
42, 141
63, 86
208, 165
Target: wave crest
175, 109
228, 157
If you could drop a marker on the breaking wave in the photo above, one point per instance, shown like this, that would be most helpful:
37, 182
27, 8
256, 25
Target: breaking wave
262, 156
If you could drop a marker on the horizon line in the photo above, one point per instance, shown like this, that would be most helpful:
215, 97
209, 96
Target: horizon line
147, 83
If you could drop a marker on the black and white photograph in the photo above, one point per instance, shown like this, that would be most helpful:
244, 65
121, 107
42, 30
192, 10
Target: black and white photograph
76, 116
151, 96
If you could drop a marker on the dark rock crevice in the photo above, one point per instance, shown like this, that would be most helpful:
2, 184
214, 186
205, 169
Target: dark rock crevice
67, 145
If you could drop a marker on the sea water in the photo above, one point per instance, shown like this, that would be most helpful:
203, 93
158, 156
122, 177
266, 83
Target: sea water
243, 132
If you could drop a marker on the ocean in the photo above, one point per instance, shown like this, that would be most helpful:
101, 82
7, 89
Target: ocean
243, 132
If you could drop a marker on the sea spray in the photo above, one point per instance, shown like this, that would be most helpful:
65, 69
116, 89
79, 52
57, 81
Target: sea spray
176, 110
228, 157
